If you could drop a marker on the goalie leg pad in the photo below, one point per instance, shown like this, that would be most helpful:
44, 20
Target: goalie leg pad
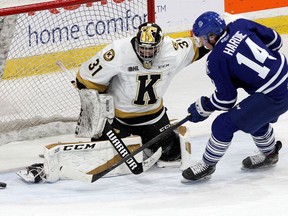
87, 157
186, 147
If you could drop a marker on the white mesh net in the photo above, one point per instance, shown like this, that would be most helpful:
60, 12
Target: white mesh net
34, 90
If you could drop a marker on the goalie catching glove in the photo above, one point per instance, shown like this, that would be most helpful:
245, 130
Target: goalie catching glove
96, 109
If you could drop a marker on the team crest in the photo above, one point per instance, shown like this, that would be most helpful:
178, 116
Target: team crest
109, 55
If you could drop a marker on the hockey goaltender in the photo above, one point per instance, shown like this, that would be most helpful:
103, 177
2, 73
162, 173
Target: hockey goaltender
121, 91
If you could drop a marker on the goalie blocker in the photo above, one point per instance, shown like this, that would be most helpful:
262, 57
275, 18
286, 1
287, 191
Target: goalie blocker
94, 157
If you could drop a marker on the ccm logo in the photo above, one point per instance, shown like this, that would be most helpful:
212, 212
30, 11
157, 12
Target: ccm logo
164, 128
79, 147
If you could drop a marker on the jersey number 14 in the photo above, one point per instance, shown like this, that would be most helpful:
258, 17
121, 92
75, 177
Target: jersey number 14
260, 55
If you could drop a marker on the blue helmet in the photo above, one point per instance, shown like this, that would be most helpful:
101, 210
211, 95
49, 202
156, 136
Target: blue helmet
208, 23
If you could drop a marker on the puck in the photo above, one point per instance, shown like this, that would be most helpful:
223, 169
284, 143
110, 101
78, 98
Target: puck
3, 185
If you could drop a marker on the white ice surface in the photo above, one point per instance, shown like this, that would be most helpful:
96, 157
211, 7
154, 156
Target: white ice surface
158, 192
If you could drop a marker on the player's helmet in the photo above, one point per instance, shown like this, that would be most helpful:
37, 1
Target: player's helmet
208, 23
148, 42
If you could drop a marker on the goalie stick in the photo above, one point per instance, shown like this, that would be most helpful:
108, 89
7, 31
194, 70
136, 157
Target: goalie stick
135, 167
81, 176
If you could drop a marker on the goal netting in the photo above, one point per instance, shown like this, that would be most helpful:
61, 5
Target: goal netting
33, 89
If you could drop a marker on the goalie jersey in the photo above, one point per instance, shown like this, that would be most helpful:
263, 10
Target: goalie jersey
137, 91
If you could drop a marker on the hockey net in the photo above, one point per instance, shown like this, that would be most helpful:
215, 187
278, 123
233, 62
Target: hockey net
34, 36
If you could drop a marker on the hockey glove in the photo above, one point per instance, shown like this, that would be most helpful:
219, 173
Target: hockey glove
198, 110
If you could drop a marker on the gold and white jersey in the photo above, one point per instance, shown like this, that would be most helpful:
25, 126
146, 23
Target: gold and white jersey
137, 91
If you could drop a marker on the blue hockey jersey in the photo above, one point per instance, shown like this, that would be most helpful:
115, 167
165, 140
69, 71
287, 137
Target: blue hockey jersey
246, 56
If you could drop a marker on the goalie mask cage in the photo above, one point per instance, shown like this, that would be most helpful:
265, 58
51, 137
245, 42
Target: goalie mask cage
34, 36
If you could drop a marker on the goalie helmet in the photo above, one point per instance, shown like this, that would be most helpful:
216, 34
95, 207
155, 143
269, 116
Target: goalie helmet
148, 43
207, 24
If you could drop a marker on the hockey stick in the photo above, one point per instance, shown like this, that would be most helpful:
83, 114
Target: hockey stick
86, 177
68, 75
135, 167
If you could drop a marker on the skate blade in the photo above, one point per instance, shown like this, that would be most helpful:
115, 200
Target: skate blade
186, 181
259, 169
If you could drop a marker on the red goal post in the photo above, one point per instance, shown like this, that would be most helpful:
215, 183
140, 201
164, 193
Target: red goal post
34, 36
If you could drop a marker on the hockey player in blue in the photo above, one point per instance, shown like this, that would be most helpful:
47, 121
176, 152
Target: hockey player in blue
244, 55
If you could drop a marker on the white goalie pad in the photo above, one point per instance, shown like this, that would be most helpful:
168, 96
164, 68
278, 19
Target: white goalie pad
186, 147
96, 109
86, 157
186, 151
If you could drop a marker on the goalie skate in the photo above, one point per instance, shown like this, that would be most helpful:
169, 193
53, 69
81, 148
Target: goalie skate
32, 174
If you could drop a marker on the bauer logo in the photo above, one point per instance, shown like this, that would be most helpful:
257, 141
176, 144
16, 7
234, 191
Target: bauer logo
200, 24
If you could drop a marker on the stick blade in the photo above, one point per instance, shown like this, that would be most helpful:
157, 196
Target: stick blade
149, 162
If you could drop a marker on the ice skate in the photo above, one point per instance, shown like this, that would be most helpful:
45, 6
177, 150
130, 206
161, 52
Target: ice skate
199, 171
262, 161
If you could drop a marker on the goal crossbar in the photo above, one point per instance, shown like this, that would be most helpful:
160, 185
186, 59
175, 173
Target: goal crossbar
42, 6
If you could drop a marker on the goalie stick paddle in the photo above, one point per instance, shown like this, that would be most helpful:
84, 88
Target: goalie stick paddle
81, 176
